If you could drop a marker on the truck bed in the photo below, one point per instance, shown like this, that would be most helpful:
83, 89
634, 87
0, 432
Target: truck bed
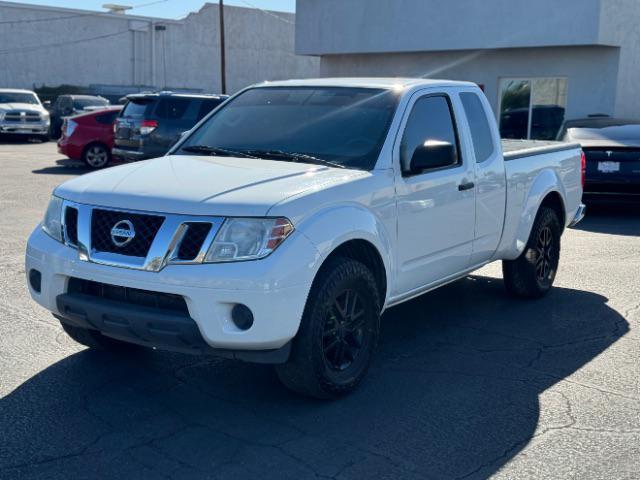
514, 149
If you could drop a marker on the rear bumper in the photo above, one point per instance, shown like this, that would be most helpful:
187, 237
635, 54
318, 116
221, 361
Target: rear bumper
577, 218
67, 147
127, 154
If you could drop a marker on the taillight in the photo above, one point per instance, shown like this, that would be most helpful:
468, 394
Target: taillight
148, 126
583, 168
69, 127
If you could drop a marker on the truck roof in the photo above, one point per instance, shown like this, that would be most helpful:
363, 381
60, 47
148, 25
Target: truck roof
15, 90
368, 82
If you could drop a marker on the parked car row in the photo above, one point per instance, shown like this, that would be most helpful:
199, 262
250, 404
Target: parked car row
147, 126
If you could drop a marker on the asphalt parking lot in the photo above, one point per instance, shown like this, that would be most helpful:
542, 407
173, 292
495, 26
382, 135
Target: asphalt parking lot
468, 383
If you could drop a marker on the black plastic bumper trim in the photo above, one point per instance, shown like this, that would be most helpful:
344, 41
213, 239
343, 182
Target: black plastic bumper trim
151, 327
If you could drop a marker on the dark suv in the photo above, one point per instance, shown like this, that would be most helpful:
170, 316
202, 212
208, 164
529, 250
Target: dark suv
151, 122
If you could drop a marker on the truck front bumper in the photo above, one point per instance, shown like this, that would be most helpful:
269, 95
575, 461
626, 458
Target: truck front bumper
274, 289
13, 128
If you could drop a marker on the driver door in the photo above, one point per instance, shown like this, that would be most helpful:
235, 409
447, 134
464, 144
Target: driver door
436, 206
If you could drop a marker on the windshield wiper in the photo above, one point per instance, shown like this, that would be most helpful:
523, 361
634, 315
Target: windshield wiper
209, 150
293, 157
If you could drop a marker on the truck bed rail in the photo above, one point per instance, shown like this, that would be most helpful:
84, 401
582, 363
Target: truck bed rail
514, 149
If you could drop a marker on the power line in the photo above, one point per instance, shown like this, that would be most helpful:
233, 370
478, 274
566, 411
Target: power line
76, 15
60, 44
268, 12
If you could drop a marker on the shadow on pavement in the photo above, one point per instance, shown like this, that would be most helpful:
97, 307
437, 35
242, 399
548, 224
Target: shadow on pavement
453, 394
64, 166
616, 218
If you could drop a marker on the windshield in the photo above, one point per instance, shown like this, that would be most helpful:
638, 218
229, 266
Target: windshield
80, 103
345, 126
616, 132
18, 97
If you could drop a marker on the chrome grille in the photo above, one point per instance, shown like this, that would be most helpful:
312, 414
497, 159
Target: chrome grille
160, 239
146, 227
193, 239
21, 116
71, 225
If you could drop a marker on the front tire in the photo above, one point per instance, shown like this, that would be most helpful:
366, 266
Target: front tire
96, 156
531, 275
338, 334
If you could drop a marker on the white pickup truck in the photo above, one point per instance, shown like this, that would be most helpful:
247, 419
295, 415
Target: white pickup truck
281, 226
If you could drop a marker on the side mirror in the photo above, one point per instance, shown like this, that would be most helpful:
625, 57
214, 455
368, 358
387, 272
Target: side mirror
433, 154
47, 104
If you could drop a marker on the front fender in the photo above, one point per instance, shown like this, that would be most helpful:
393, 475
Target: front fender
329, 228
545, 182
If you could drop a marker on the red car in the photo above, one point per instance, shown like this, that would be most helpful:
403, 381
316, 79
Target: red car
89, 137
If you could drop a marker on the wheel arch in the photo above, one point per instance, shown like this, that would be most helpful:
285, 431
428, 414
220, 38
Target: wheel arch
355, 232
366, 253
545, 190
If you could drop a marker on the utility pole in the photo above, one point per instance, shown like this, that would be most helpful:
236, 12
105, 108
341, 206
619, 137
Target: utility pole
223, 73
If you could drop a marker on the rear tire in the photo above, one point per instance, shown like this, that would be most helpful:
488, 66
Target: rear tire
96, 155
94, 339
531, 275
338, 333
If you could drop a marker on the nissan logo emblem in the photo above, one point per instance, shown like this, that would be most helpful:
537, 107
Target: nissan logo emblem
122, 233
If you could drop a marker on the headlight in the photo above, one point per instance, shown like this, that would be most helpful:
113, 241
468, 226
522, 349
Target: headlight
248, 239
52, 223
2, 114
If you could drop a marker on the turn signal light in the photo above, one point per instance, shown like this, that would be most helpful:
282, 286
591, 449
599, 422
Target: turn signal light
583, 168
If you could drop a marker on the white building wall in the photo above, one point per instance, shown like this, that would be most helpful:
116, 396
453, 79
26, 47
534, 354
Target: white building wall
623, 29
590, 90
259, 46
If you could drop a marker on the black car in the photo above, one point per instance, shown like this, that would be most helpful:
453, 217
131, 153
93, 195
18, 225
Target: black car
68, 105
151, 123
612, 152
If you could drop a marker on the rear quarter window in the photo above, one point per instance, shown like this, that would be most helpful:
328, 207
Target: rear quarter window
479, 126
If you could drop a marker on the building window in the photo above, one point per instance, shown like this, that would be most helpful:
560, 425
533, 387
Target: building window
532, 107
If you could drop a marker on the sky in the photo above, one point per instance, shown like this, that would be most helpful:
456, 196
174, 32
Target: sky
166, 8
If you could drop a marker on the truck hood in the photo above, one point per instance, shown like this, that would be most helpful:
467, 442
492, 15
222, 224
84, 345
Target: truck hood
21, 106
200, 185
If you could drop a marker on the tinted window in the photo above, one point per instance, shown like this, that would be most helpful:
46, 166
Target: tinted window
431, 119
80, 103
206, 106
136, 109
479, 125
172, 108
339, 124
107, 118
18, 97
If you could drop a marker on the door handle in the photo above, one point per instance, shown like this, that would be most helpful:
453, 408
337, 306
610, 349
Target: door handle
466, 186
